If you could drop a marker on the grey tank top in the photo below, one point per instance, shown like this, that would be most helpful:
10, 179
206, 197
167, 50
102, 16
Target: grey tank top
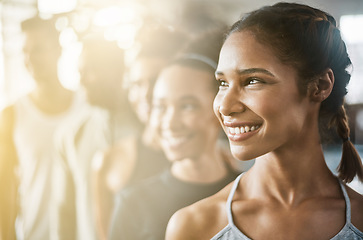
231, 232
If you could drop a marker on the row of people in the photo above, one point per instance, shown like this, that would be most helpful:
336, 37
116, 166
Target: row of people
67, 180
282, 75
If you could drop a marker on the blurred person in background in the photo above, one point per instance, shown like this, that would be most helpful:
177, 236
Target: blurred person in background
188, 132
28, 130
106, 119
8, 177
195, 17
136, 157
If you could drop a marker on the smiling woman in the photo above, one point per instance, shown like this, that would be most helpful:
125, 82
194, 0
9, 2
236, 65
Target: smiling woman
188, 133
268, 96
186, 125
282, 71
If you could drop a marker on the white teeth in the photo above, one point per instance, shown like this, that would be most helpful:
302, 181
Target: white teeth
239, 130
175, 141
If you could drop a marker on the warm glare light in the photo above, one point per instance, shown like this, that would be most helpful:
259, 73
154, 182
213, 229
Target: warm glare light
350, 26
56, 6
113, 16
126, 36
68, 63
61, 23
2, 82
67, 36
123, 34
107, 16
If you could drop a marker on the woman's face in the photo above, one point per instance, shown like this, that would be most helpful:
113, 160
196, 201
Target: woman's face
142, 76
258, 103
183, 112
101, 78
41, 54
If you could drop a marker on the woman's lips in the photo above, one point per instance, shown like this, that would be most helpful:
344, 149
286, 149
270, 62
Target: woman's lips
241, 132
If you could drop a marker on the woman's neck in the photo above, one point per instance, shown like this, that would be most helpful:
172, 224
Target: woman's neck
52, 99
208, 168
290, 175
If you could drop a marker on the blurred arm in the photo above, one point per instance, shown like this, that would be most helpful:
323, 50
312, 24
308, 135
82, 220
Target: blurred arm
111, 172
64, 211
8, 177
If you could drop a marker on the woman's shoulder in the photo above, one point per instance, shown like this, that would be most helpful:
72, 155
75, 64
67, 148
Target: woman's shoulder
120, 152
7, 118
201, 220
117, 162
356, 200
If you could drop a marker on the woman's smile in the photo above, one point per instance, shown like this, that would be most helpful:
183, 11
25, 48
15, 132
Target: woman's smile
240, 132
176, 141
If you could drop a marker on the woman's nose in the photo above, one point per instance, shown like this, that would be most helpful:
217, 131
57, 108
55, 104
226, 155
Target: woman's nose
171, 120
229, 102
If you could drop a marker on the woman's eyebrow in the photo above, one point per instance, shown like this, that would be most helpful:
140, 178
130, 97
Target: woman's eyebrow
220, 73
254, 70
248, 71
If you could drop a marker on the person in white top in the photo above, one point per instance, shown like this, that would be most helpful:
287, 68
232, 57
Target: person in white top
107, 119
27, 130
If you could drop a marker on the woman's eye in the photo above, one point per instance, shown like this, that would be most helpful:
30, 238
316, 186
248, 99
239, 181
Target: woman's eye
158, 107
222, 83
189, 106
253, 81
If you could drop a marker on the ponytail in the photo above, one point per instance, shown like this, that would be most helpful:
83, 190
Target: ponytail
350, 164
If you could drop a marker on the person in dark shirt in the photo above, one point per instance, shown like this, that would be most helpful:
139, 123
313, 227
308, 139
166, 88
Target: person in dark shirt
134, 158
188, 133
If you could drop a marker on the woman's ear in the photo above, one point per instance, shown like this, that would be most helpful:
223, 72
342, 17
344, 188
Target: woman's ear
320, 89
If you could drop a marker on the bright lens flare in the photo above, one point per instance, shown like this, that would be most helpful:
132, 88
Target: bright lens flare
113, 15
349, 25
123, 34
353, 37
56, 6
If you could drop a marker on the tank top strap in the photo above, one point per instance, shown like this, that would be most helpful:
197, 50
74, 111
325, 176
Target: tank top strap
347, 203
230, 198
